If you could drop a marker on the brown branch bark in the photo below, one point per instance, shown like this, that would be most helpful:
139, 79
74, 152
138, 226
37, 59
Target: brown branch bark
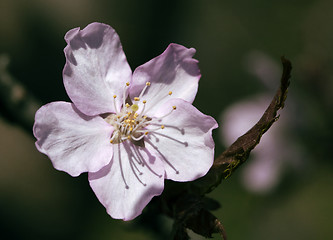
186, 202
239, 151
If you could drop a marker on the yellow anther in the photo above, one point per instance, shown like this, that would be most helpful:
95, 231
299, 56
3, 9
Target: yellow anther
136, 99
144, 101
132, 121
174, 107
162, 126
127, 105
128, 137
111, 141
144, 117
146, 133
134, 107
131, 129
170, 93
147, 83
118, 116
127, 84
114, 96
136, 115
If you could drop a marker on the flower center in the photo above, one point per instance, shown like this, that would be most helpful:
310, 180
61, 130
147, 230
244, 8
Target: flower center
129, 124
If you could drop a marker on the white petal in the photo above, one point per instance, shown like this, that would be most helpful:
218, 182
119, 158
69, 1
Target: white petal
74, 142
109, 184
96, 68
185, 144
173, 71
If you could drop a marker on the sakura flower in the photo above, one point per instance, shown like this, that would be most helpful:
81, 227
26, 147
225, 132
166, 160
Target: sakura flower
128, 131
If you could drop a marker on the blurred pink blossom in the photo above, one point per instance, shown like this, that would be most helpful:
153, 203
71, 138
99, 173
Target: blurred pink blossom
275, 152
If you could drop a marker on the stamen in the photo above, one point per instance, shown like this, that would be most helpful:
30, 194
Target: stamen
124, 93
151, 130
140, 125
170, 93
121, 167
136, 99
160, 118
144, 89
136, 157
143, 109
135, 174
171, 138
124, 138
134, 168
138, 153
114, 103
164, 158
138, 138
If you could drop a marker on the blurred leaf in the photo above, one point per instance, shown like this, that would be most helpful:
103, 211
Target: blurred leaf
205, 223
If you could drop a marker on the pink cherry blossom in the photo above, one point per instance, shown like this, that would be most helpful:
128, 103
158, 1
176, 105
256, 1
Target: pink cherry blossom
128, 131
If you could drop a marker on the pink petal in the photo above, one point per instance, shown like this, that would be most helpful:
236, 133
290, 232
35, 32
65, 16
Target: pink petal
109, 184
174, 70
185, 144
96, 68
74, 142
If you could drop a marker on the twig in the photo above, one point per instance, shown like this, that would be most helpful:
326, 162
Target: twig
17, 104
185, 202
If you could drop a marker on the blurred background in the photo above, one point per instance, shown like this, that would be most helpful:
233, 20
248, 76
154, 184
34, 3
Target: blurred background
284, 191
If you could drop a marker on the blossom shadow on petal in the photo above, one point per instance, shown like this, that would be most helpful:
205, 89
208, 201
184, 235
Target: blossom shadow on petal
82, 115
68, 70
190, 67
185, 143
151, 191
70, 57
151, 158
94, 34
76, 43
91, 36
49, 128
102, 172
40, 129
